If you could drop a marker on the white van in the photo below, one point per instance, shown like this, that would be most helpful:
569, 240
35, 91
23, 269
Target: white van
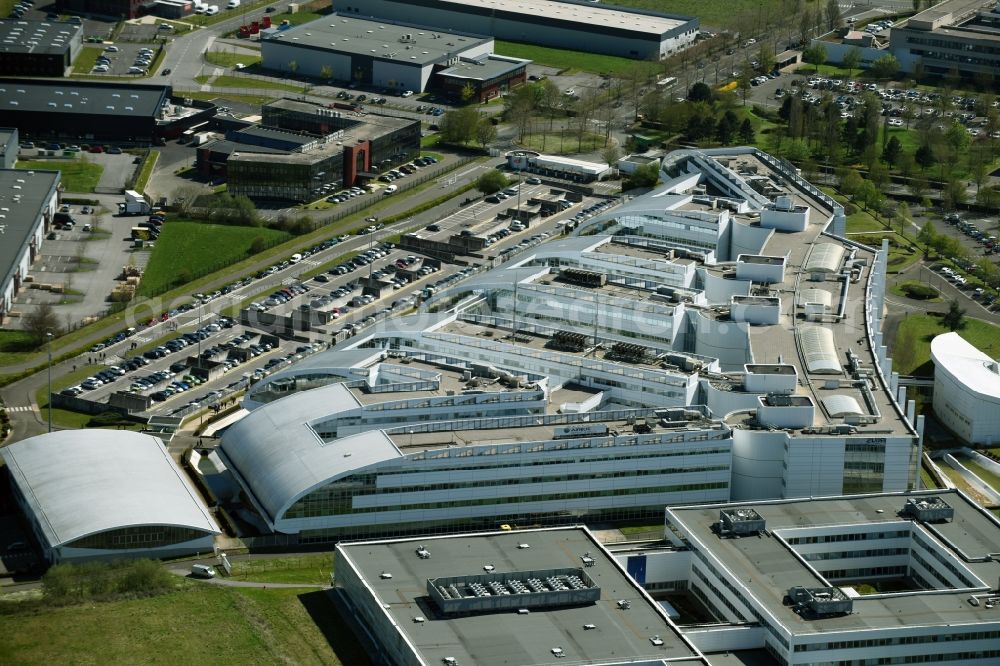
212, 10
202, 571
389, 189
295, 258
233, 4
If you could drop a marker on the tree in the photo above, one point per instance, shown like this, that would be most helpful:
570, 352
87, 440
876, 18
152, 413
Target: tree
892, 150
743, 82
925, 156
927, 235
611, 154
902, 218
326, 72
293, 66
648, 175
491, 181
459, 125
954, 318
257, 245
916, 5
885, 67
43, 319
851, 183
700, 92
989, 272
747, 134
806, 22
765, 57
486, 132
726, 129
468, 92
852, 60
833, 17
954, 194
815, 55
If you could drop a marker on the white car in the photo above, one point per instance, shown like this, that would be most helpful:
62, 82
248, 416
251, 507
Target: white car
100, 68
407, 93
111, 49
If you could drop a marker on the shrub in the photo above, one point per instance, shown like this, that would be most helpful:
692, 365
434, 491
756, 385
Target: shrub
919, 290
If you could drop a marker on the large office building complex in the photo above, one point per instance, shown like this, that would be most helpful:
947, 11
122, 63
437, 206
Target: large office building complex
954, 37
717, 339
901, 578
966, 389
63, 482
28, 201
566, 24
38, 48
302, 146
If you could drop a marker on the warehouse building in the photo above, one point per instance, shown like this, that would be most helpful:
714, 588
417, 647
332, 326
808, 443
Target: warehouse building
900, 578
102, 494
28, 202
38, 48
373, 53
526, 597
302, 146
83, 111
966, 390
954, 37
567, 24
644, 358
116, 9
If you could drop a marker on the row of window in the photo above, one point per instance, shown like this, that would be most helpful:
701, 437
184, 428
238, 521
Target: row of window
847, 554
944, 560
138, 537
852, 536
901, 640
865, 572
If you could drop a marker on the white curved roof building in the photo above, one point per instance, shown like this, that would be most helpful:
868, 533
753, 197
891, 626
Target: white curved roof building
966, 389
62, 481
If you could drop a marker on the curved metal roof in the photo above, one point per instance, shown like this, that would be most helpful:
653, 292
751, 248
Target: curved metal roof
280, 457
825, 258
842, 405
818, 348
83, 482
821, 296
967, 364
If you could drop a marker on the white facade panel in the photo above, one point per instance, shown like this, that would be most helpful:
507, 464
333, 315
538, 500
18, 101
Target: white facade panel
400, 76
279, 55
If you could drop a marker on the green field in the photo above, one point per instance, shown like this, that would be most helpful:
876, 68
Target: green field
87, 59
252, 100
313, 569
568, 142
186, 250
13, 345
78, 175
230, 81
148, 164
225, 59
565, 59
199, 624
737, 14
917, 330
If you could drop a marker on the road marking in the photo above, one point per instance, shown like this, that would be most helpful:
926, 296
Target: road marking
18, 409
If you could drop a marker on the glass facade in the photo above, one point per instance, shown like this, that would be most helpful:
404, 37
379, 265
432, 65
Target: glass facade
144, 536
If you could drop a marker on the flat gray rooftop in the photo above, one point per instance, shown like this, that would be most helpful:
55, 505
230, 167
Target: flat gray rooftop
767, 568
381, 40
104, 99
483, 69
592, 14
45, 37
506, 638
22, 196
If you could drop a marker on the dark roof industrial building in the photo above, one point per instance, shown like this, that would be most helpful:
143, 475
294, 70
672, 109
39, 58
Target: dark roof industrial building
301, 146
566, 24
89, 111
38, 48
27, 204
8, 147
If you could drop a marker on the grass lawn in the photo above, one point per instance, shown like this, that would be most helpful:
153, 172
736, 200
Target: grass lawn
186, 250
986, 475
926, 480
566, 59
225, 59
430, 141
78, 174
252, 100
717, 14
917, 330
568, 143
148, 165
905, 289
199, 624
87, 59
298, 569
229, 81
13, 344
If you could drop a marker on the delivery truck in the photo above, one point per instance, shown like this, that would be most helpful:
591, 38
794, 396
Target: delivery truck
134, 204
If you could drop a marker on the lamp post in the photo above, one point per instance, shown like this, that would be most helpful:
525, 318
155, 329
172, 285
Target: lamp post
48, 338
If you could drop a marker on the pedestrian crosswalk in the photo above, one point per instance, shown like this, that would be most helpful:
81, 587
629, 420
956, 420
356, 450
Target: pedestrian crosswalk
18, 409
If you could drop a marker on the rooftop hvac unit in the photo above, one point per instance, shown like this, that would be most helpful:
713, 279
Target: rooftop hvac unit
741, 521
928, 509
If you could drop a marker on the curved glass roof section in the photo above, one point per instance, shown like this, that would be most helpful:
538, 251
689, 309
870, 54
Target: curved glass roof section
819, 351
825, 258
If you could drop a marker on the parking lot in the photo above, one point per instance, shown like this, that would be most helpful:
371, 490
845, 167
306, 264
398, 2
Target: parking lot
125, 60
